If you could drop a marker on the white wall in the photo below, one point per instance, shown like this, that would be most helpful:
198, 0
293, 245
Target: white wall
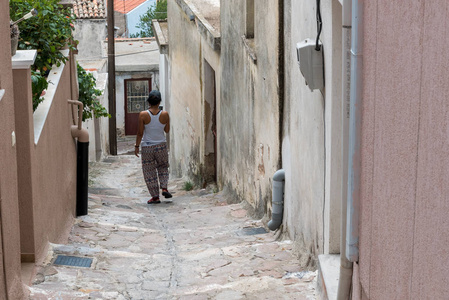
164, 80
311, 145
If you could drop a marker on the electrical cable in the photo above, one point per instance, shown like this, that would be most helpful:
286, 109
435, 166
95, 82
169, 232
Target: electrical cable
319, 24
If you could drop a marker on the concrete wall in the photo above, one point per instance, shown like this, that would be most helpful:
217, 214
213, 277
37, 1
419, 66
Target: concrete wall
10, 280
120, 22
248, 133
186, 102
90, 34
133, 17
311, 146
405, 165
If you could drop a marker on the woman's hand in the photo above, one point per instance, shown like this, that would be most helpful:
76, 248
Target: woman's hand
136, 151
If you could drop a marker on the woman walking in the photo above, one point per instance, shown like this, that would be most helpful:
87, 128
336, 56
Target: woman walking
153, 124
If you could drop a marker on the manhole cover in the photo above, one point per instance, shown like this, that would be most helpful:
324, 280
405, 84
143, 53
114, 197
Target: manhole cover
253, 231
73, 261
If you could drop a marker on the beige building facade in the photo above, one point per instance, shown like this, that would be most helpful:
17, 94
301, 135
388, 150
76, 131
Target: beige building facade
194, 95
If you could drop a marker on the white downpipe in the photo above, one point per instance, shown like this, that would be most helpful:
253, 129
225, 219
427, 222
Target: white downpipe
355, 117
345, 277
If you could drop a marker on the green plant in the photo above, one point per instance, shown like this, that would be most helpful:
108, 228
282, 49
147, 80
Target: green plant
88, 95
48, 32
188, 186
156, 11
38, 85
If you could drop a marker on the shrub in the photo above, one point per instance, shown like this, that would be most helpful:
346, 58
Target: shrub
88, 95
188, 186
48, 32
38, 85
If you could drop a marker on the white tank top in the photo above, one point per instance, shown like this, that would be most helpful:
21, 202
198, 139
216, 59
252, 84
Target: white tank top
154, 131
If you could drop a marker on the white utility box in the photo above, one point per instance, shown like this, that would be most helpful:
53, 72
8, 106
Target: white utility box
310, 63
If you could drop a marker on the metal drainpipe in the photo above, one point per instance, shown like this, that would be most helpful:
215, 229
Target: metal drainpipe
277, 203
355, 122
345, 277
82, 161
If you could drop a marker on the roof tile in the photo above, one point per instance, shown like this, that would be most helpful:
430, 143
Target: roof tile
125, 6
89, 9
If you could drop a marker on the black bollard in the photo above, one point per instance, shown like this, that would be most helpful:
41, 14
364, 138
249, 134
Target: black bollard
82, 175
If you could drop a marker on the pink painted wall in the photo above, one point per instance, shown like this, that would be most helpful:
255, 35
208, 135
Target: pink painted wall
404, 239
54, 172
10, 280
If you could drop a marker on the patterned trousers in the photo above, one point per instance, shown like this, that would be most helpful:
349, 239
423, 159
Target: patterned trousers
154, 165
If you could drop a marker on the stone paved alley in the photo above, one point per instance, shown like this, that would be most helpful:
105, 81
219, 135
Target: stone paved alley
194, 247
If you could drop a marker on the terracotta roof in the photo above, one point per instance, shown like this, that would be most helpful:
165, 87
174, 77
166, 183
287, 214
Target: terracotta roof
125, 6
89, 9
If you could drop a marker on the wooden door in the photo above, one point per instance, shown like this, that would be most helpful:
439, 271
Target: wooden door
136, 94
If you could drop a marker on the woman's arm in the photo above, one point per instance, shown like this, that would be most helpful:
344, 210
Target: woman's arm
140, 129
167, 125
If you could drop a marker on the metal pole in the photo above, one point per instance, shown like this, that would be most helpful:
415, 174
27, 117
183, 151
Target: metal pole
111, 80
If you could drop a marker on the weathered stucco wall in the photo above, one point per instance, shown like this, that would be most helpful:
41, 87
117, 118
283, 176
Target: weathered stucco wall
120, 22
249, 109
405, 158
303, 140
10, 279
187, 58
311, 146
91, 34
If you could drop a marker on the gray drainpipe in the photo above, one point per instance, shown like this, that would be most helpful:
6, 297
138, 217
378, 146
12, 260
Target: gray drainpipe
355, 122
345, 277
277, 203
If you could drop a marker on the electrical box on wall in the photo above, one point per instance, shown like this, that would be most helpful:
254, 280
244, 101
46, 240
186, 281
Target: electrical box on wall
310, 62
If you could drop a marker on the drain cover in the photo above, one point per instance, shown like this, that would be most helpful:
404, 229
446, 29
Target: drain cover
73, 261
253, 231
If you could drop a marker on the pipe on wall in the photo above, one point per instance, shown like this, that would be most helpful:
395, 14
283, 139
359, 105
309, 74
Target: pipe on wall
355, 122
277, 203
345, 277
82, 161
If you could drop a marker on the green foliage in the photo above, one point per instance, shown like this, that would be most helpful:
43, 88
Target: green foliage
38, 85
188, 186
156, 11
48, 32
88, 94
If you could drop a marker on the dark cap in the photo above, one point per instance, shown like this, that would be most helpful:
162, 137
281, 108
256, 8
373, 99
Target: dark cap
154, 97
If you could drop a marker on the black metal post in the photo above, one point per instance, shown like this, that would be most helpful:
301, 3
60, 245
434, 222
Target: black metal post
111, 80
82, 176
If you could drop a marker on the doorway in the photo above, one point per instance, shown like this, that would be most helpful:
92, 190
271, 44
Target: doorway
136, 94
210, 124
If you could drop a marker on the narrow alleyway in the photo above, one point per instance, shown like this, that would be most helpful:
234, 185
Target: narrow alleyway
194, 247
